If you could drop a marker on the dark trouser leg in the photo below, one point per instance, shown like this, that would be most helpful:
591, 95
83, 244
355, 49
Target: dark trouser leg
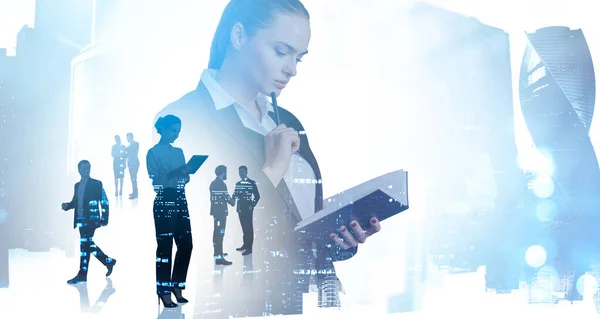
183, 240
84, 247
241, 217
89, 247
165, 215
246, 219
133, 170
218, 234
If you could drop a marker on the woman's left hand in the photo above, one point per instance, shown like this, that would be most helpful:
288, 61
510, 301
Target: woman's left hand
360, 235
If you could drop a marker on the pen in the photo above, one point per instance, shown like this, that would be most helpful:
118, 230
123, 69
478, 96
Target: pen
275, 107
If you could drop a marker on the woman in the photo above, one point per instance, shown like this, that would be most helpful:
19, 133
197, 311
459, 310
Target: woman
119, 154
255, 52
169, 174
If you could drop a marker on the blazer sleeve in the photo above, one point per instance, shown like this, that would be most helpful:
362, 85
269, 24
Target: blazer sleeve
256, 193
114, 151
186, 177
104, 208
71, 204
236, 191
226, 195
158, 180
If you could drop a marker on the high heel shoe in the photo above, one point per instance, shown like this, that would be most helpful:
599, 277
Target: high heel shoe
179, 296
166, 303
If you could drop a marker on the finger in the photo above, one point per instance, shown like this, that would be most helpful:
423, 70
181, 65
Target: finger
285, 133
374, 227
279, 128
291, 138
290, 134
334, 237
359, 233
284, 129
295, 144
280, 132
348, 237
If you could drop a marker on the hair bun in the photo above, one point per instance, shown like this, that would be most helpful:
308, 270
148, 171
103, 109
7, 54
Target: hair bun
165, 121
158, 124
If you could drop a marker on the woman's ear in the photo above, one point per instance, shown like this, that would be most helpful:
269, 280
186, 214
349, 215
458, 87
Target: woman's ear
238, 36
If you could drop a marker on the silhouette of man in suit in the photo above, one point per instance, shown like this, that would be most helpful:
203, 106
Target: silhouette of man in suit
246, 195
133, 162
91, 211
219, 198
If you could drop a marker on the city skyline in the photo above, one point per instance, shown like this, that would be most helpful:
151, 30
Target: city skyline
159, 62
508, 16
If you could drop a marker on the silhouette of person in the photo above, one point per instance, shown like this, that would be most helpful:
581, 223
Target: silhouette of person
119, 154
88, 197
246, 196
169, 173
133, 162
254, 53
84, 299
219, 198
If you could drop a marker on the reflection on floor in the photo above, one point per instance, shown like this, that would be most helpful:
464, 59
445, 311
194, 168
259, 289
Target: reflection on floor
38, 287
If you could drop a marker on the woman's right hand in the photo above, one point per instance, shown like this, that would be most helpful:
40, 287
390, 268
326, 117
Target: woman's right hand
280, 144
179, 172
184, 169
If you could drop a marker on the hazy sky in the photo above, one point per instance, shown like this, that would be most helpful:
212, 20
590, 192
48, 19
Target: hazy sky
378, 22
514, 16
13, 15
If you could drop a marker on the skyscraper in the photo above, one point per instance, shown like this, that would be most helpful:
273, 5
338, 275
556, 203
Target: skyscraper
7, 126
557, 93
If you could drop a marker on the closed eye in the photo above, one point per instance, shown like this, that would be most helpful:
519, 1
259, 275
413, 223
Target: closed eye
282, 54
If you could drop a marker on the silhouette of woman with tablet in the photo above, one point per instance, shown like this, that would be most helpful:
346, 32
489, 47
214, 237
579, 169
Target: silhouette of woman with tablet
169, 173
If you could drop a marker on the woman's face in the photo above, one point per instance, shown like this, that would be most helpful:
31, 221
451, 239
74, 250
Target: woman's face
171, 132
270, 57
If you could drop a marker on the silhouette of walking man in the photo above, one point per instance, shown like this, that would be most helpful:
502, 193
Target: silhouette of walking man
219, 198
88, 197
243, 194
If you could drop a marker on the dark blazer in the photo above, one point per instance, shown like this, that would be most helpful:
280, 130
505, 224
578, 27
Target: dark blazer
223, 137
219, 198
95, 205
246, 195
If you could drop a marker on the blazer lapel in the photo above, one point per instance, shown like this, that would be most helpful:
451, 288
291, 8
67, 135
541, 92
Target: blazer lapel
230, 123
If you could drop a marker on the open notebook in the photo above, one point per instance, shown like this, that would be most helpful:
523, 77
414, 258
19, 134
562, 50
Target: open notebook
381, 197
